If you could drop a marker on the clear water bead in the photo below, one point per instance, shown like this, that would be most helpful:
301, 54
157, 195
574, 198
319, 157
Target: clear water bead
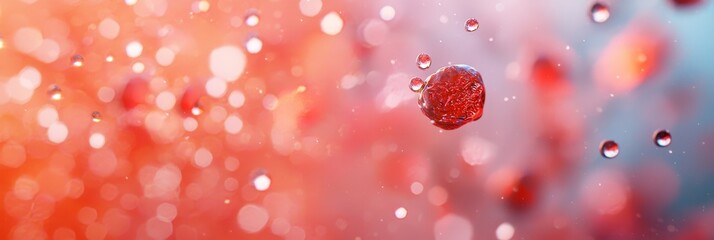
471, 25
96, 117
416, 84
55, 92
609, 149
662, 138
251, 18
77, 60
600, 12
423, 61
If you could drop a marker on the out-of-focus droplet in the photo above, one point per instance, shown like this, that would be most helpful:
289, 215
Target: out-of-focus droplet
55, 93
197, 109
109, 58
505, 231
387, 13
261, 182
600, 12
77, 60
331, 23
453, 96
400, 213
609, 149
96, 117
253, 45
662, 138
251, 18
416, 84
471, 25
423, 61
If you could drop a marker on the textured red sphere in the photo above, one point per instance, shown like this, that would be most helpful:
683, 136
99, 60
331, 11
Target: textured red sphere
453, 96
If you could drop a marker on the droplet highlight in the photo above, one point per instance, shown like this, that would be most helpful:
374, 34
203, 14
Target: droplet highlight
251, 18
416, 84
662, 138
77, 60
55, 92
471, 25
423, 61
96, 117
609, 149
600, 12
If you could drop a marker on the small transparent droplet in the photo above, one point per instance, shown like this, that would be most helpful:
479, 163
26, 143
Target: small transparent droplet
55, 92
662, 138
600, 12
416, 84
197, 109
77, 60
96, 117
471, 25
251, 18
609, 149
423, 61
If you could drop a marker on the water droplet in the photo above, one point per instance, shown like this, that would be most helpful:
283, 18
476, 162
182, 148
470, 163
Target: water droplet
197, 109
251, 18
471, 25
96, 117
423, 61
453, 96
609, 149
55, 92
662, 138
400, 213
416, 84
77, 60
261, 182
600, 12
253, 45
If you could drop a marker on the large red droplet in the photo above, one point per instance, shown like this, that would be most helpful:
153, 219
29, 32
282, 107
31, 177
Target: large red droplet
453, 96
686, 3
135, 93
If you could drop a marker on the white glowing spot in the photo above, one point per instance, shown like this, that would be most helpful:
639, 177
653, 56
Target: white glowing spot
416, 188
105, 94
203, 6
134, 49
109, 28
231, 164
236, 99
253, 45
190, 124
400, 213
261, 182
227, 62
216, 87
227, 201
331, 24
96, 140
233, 124
130, 2
57, 132
165, 56
27, 39
387, 13
47, 115
165, 100
453, 227
166, 212
25, 188
138, 67
202, 158
310, 8
252, 218
252, 19
109, 58
270, 102
505, 231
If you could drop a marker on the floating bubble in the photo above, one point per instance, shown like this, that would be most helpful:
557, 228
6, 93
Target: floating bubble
471, 25
423, 61
96, 117
662, 138
453, 96
55, 92
416, 84
251, 18
609, 149
77, 60
600, 12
